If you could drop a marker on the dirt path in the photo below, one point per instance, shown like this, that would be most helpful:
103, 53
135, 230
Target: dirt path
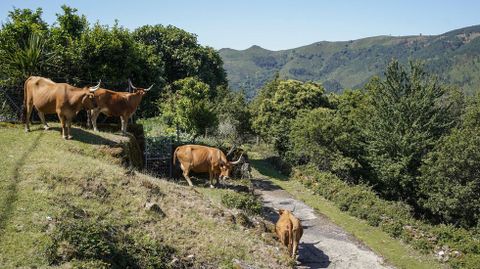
324, 244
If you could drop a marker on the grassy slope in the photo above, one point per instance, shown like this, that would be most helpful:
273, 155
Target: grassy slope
453, 56
43, 175
394, 251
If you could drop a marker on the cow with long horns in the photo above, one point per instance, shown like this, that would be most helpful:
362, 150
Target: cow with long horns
203, 159
117, 104
62, 99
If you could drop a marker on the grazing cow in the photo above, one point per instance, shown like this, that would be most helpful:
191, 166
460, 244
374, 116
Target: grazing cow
203, 159
49, 97
117, 104
289, 230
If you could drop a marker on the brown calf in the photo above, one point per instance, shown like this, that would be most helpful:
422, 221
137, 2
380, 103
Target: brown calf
289, 230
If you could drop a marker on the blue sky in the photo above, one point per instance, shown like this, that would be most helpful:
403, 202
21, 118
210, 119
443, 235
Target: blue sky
273, 24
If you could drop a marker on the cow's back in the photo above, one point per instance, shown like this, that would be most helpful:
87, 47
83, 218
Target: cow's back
199, 158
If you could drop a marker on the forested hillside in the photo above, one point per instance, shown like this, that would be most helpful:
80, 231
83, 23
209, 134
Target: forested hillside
453, 56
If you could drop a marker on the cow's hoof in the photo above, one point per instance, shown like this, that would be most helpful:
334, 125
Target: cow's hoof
211, 186
46, 128
27, 130
95, 129
69, 137
64, 137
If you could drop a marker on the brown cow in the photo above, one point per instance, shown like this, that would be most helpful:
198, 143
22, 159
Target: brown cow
289, 230
203, 159
117, 104
49, 97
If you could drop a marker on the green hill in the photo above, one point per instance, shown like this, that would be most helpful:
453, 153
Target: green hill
454, 56
72, 204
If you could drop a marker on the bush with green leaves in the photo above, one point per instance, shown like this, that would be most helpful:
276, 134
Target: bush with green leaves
278, 103
450, 178
331, 138
188, 106
396, 218
244, 201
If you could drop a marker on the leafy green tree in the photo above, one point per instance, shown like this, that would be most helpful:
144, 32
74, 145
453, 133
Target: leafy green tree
187, 106
65, 41
450, 179
331, 138
182, 54
410, 112
278, 103
233, 114
22, 49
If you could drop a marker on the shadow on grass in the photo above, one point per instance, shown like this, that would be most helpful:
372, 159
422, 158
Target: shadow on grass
79, 135
12, 191
266, 169
90, 138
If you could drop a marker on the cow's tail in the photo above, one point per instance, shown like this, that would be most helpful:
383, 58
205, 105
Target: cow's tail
24, 114
175, 155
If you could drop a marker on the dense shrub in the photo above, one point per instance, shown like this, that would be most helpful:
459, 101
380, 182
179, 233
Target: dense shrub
243, 201
278, 103
450, 180
461, 247
331, 138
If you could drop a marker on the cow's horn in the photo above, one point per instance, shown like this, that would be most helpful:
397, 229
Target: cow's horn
149, 88
237, 161
131, 85
94, 88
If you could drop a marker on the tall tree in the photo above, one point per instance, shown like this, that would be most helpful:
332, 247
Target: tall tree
278, 103
411, 111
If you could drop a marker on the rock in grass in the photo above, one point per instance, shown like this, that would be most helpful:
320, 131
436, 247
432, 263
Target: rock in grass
154, 208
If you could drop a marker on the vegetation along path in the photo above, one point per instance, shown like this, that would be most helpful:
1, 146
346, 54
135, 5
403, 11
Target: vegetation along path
332, 239
323, 244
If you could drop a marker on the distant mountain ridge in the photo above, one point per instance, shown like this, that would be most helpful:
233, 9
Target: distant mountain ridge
454, 56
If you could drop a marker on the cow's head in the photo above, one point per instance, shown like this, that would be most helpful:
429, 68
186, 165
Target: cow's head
226, 168
139, 91
88, 100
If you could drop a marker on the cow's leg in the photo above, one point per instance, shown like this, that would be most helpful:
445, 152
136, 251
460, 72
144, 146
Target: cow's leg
124, 121
186, 172
69, 127
42, 118
95, 113
62, 122
89, 118
211, 175
28, 113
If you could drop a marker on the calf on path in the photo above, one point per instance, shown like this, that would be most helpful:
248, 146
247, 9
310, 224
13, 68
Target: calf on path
289, 230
